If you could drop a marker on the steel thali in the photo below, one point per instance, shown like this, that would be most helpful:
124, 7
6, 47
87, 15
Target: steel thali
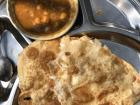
95, 19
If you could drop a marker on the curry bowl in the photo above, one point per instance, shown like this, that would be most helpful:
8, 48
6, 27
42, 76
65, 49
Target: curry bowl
42, 20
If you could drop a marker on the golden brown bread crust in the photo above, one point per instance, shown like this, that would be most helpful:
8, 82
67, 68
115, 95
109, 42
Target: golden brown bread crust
35, 57
33, 70
75, 71
24, 98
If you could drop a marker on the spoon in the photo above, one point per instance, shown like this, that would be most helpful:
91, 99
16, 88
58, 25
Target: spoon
6, 70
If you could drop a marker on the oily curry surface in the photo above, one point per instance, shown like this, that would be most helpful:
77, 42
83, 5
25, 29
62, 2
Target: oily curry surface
42, 16
75, 71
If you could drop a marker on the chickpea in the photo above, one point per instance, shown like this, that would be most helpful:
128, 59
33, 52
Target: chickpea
45, 13
36, 21
63, 15
31, 13
38, 7
44, 19
54, 16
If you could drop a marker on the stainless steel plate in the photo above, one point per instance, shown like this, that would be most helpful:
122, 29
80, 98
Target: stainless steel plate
116, 13
93, 18
101, 15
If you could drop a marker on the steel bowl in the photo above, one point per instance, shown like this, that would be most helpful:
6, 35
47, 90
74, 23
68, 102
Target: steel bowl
7, 11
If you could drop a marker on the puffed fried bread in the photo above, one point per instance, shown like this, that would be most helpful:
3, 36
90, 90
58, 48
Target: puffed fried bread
75, 71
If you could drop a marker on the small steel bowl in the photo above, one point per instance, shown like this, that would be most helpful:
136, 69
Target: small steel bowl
11, 16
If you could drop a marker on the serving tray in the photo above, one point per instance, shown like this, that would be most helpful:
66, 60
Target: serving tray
97, 19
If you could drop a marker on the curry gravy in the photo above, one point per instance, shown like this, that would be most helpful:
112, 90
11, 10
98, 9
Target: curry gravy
42, 16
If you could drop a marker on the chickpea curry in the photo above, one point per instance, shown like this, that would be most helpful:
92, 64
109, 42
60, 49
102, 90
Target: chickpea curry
42, 16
